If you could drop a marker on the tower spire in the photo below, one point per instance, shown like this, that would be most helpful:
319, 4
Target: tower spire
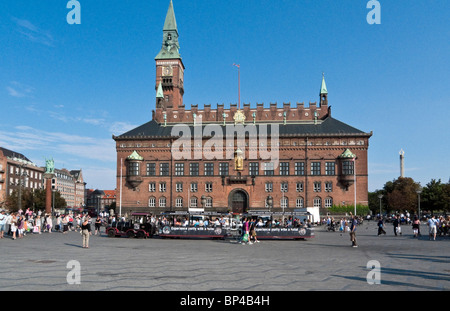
170, 46
323, 92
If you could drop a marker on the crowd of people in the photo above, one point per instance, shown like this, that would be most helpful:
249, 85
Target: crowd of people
18, 224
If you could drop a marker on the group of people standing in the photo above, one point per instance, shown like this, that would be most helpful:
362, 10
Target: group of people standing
18, 224
435, 225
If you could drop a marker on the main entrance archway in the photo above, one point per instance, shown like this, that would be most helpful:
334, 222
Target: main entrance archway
238, 201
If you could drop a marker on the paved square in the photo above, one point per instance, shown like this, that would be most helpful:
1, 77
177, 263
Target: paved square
327, 262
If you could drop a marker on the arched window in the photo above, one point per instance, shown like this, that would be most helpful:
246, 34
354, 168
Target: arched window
194, 202
209, 202
284, 202
299, 202
162, 202
328, 202
152, 202
179, 202
317, 202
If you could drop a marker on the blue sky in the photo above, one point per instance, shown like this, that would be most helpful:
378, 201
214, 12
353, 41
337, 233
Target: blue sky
66, 89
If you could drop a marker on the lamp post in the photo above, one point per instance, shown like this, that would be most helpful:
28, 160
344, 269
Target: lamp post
418, 191
380, 196
269, 204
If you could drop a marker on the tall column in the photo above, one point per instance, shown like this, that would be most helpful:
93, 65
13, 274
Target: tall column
48, 192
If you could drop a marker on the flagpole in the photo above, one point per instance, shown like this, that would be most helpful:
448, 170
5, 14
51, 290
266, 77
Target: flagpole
239, 85
120, 201
354, 173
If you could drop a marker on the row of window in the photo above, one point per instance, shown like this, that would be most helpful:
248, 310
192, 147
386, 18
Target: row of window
253, 169
194, 202
284, 187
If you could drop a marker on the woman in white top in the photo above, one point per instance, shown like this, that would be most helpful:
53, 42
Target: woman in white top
37, 223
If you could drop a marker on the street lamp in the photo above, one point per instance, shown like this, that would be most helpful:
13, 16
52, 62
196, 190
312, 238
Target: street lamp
419, 191
380, 196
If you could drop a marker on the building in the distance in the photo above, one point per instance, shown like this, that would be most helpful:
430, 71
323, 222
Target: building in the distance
70, 185
17, 173
100, 200
277, 157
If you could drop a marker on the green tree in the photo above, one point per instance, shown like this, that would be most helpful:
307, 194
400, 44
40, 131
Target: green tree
401, 194
435, 196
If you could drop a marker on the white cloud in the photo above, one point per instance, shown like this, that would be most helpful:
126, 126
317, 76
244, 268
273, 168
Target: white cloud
33, 33
19, 90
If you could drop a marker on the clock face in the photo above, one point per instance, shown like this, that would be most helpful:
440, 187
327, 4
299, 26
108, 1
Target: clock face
167, 71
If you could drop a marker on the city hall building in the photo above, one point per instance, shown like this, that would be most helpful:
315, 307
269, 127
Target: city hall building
236, 159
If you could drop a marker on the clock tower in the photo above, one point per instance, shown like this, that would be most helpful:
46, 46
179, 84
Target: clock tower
169, 66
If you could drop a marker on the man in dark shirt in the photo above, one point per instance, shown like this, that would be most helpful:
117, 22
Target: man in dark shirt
353, 231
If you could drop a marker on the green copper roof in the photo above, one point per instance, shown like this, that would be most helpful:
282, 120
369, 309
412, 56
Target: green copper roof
170, 23
159, 93
135, 156
323, 88
347, 154
170, 46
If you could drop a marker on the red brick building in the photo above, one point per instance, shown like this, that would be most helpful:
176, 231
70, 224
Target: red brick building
238, 158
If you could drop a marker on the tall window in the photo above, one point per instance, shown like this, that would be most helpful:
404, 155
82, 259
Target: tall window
223, 168
162, 187
179, 202
164, 169
193, 169
284, 202
269, 187
208, 187
151, 169
209, 169
151, 187
268, 168
133, 168
194, 187
300, 187
299, 202
179, 187
253, 169
208, 202
179, 169
317, 202
328, 202
348, 167
328, 186
194, 202
330, 168
300, 168
317, 186
162, 202
284, 187
152, 202
284, 168
315, 168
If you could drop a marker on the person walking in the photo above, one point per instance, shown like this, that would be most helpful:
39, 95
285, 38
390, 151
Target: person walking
3, 218
416, 226
98, 224
253, 231
381, 226
14, 226
353, 226
85, 232
396, 225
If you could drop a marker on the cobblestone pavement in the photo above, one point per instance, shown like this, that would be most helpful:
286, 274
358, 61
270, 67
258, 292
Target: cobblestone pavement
326, 262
